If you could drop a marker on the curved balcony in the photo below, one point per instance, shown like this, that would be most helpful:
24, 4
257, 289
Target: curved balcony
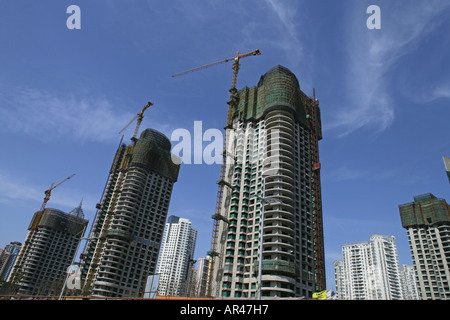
273, 222
278, 118
120, 234
279, 183
278, 267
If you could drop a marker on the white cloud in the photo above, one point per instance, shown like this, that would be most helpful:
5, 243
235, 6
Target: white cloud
274, 24
441, 91
286, 14
48, 116
372, 54
13, 189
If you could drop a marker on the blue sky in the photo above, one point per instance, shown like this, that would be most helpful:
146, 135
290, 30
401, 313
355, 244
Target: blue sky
65, 94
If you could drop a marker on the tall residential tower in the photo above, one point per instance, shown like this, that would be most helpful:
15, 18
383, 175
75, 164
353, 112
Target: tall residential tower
369, 270
126, 235
427, 223
176, 257
271, 151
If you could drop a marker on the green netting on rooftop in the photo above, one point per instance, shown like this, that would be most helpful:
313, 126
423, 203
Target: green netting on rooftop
278, 87
426, 210
155, 155
60, 221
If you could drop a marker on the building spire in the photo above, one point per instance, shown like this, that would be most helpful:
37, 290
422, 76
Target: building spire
78, 212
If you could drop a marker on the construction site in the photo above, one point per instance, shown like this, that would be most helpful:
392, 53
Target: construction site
278, 250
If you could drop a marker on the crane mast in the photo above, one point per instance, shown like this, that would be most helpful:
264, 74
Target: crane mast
139, 118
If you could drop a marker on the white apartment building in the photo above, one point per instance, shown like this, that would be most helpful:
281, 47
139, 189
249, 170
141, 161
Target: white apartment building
369, 270
201, 275
409, 284
176, 257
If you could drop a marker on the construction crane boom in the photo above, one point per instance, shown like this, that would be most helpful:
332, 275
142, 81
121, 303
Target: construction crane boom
139, 118
47, 193
235, 66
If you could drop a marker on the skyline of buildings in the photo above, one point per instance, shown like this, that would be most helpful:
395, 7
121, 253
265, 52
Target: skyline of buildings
408, 279
276, 131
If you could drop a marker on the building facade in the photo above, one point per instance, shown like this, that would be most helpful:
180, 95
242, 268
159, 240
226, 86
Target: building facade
176, 257
369, 270
427, 223
51, 250
272, 139
409, 285
201, 276
126, 235
7, 258
447, 166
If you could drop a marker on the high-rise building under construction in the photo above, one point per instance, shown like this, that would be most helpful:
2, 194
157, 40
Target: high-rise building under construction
50, 252
270, 182
427, 223
125, 237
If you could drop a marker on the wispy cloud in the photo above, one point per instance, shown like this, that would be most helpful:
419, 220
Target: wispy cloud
275, 25
430, 92
78, 117
48, 116
286, 12
441, 91
372, 55
13, 189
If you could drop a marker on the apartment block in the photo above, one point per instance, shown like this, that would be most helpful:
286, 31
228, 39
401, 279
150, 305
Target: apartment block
369, 270
409, 284
7, 258
427, 223
127, 231
272, 132
176, 257
51, 250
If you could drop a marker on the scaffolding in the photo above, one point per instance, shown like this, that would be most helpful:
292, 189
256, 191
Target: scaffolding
313, 114
114, 189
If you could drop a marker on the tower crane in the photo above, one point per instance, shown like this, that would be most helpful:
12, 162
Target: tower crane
34, 225
139, 118
236, 65
232, 103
